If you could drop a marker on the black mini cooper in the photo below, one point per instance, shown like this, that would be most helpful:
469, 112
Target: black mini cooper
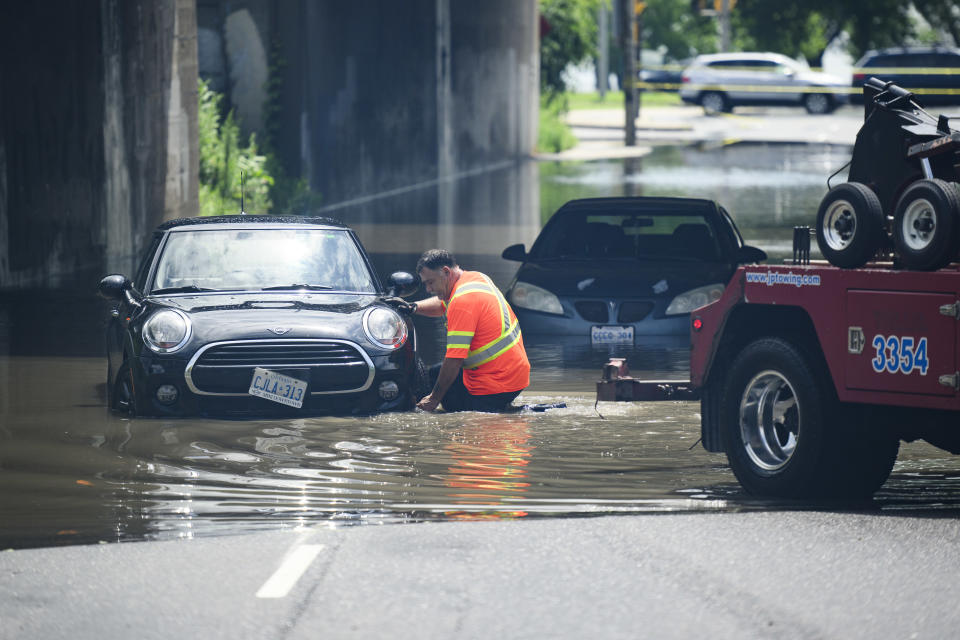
258, 315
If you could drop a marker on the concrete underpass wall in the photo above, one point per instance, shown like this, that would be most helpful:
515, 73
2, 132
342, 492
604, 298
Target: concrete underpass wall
97, 133
403, 93
382, 96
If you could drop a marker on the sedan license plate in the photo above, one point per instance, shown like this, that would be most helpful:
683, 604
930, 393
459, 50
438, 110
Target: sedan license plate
611, 335
278, 387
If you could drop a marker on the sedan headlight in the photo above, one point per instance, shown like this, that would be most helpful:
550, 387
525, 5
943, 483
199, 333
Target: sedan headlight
167, 330
694, 299
529, 296
385, 328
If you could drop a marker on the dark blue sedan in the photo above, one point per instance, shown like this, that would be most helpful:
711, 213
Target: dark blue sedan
611, 269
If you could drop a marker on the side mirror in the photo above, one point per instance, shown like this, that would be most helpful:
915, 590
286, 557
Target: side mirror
749, 255
112, 287
402, 284
514, 252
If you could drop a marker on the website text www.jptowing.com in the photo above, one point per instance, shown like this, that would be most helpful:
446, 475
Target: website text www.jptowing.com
771, 278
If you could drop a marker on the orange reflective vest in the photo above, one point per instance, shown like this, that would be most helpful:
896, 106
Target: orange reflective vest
482, 329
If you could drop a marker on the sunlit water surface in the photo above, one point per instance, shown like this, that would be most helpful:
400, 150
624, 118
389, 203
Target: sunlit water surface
70, 472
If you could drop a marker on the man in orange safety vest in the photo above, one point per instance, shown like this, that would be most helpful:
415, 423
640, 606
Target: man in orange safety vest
485, 366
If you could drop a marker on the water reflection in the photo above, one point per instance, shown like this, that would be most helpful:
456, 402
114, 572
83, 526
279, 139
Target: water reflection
70, 472
489, 468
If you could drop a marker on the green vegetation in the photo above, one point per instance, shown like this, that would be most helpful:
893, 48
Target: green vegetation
569, 36
554, 135
807, 27
222, 159
267, 187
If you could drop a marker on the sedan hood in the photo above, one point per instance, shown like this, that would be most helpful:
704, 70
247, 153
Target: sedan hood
623, 279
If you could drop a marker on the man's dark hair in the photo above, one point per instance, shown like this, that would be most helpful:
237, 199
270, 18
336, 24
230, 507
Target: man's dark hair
435, 259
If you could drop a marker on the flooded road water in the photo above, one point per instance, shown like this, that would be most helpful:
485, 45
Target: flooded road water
70, 472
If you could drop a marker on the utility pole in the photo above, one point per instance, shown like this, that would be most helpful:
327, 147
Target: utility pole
725, 25
603, 46
638, 7
629, 75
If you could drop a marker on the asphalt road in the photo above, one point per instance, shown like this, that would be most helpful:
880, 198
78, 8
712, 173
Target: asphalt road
799, 574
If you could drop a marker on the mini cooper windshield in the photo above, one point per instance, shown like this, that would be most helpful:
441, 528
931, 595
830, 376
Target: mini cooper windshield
197, 260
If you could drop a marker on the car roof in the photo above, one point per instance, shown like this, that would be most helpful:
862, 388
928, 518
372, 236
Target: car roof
634, 203
743, 55
911, 50
253, 221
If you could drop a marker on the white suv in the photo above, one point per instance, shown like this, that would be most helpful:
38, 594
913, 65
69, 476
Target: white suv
722, 81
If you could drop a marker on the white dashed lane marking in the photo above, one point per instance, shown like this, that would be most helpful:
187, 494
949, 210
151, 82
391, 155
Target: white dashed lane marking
283, 579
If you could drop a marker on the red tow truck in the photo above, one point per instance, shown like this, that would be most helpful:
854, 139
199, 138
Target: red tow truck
809, 375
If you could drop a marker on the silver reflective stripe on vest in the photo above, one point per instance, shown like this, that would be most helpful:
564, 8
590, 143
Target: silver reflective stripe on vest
488, 287
459, 341
477, 357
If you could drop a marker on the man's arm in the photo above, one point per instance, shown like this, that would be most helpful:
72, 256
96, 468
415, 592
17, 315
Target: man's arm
430, 307
448, 373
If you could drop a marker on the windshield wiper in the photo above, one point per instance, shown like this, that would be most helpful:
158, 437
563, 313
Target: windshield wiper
286, 287
190, 288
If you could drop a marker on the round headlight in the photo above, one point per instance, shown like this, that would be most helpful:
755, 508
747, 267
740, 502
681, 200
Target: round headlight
384, 327
167, 330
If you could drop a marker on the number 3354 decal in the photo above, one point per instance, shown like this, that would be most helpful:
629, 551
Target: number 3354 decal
894, 354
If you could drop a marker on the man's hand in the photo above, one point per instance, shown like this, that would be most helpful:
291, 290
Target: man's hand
401, 305
427, 403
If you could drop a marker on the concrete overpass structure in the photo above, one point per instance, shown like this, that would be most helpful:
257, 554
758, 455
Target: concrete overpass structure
98, 109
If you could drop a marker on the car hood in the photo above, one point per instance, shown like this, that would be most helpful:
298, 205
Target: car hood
290, 316
623, 279
823, 79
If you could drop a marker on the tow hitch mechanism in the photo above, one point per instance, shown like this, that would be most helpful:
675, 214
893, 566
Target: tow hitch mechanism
616, 384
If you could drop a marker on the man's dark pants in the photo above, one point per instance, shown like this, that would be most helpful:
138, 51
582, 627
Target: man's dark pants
457, 398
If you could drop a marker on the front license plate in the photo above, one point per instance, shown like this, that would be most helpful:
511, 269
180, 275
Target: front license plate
611, 335
278, 387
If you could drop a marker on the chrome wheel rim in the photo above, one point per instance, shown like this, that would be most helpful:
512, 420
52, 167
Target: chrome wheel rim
817, 103
713, 102
769, 420
919, 225
839, 225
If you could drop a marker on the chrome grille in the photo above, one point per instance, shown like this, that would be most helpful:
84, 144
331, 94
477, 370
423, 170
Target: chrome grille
329, 366
267, 354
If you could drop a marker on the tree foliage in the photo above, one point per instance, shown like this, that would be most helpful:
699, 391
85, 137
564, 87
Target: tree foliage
673, 26
806, 27
568, 36
222, 159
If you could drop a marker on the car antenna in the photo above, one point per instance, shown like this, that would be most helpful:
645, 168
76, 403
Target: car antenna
242, 212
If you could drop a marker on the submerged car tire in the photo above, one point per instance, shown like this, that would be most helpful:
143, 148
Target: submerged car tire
122, 395
786, 435
715, 102
421, 381
925, 225
850, 226
818, 103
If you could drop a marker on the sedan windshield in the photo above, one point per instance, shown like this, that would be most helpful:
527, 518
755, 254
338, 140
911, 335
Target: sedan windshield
628, 236
257, 259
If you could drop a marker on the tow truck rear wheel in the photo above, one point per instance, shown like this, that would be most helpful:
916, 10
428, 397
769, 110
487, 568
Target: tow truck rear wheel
850, 225
784, 434
925, 225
